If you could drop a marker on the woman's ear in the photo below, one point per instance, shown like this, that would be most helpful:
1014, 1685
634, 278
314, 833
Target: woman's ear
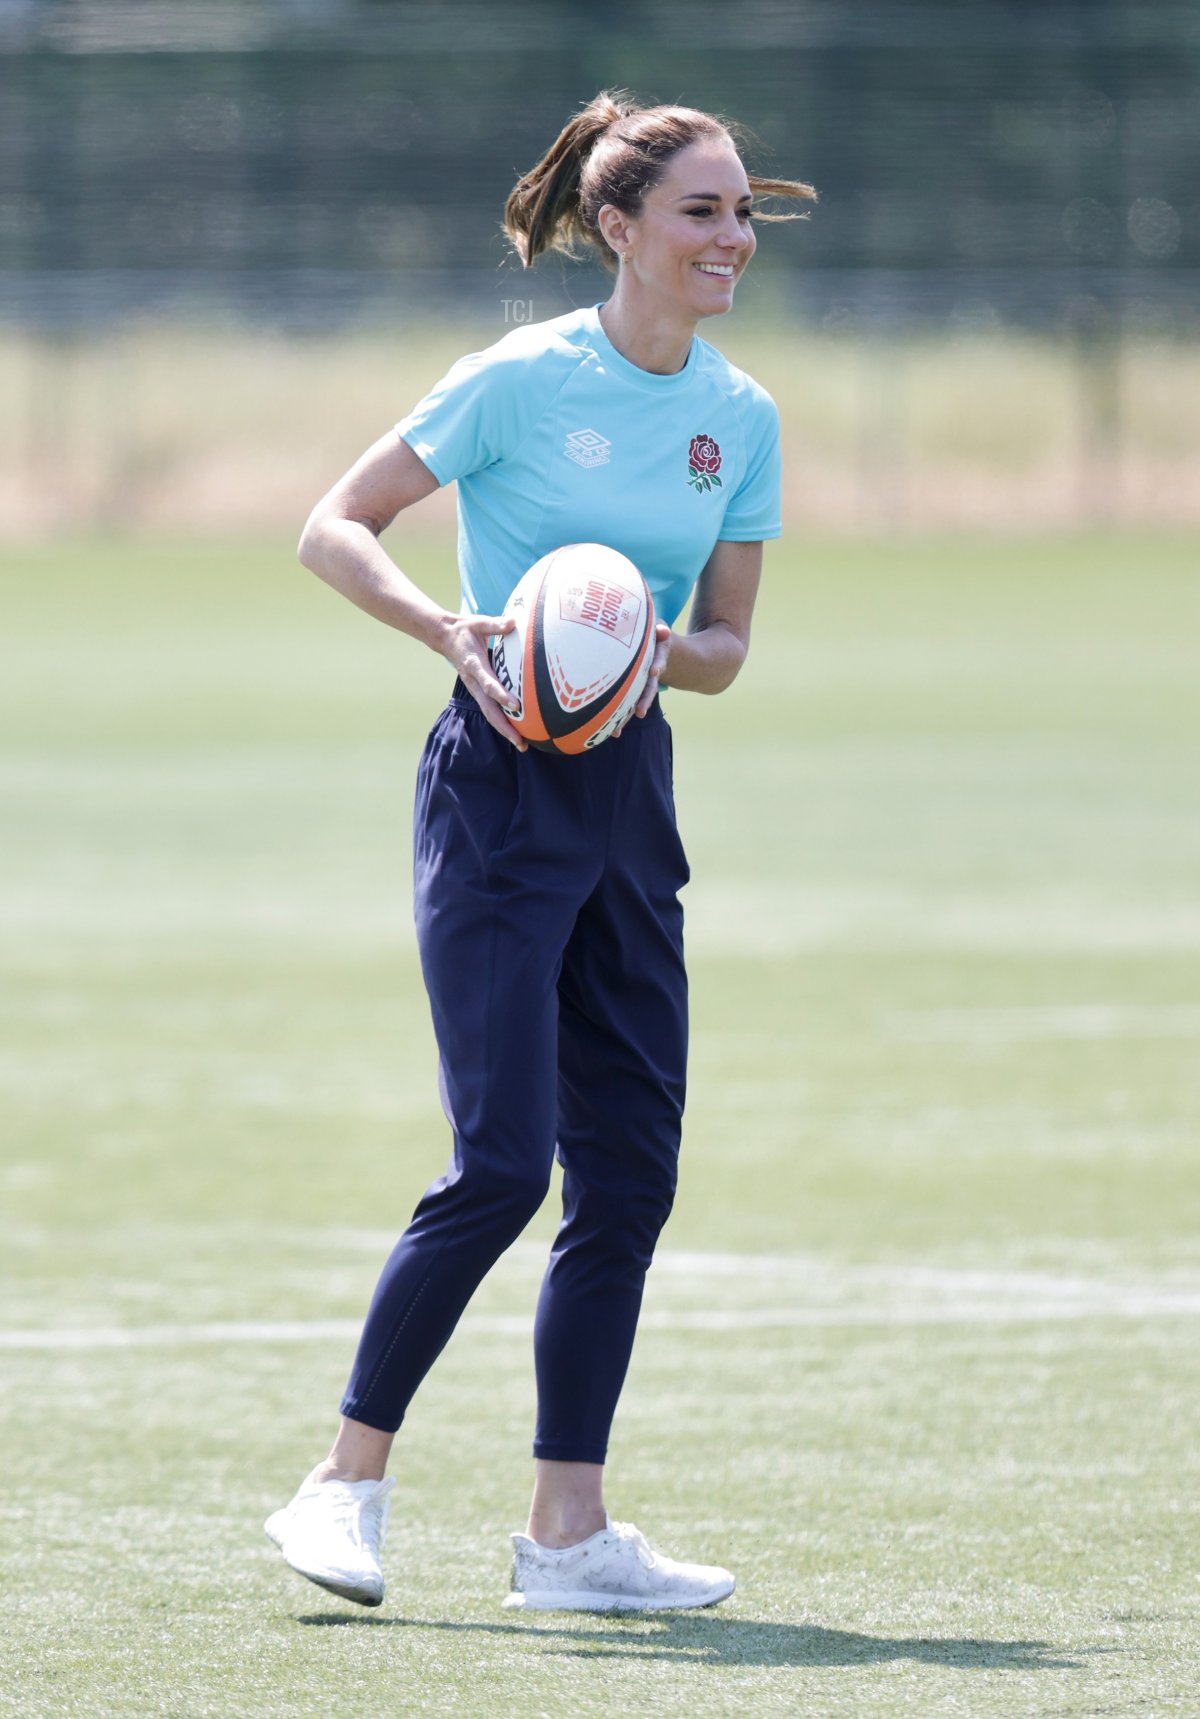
614, 228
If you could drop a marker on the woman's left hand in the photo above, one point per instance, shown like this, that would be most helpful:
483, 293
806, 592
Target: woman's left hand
708, 656
662, 650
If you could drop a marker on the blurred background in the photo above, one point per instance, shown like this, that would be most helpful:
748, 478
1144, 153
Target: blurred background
239, 237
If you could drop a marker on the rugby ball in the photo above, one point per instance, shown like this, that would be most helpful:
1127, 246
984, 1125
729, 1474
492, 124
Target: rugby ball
578, 658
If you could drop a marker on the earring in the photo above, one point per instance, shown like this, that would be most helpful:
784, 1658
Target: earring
626, 255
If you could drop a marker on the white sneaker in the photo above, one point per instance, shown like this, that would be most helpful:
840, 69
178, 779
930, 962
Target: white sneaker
333, 1532
614, 1571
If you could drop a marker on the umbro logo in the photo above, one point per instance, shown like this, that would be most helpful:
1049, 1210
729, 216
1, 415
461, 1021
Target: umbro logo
587, 448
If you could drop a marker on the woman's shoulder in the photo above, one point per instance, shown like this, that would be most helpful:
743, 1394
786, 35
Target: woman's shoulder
520, 374
747, 397
560, 342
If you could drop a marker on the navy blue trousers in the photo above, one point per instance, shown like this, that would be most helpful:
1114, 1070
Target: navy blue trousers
551, 941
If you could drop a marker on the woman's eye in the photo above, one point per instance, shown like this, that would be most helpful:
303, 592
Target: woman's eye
699, 212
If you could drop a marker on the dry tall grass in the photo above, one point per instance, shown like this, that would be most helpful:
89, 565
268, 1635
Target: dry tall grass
210, 427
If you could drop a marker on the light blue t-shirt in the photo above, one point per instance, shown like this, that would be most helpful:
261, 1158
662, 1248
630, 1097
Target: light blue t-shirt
555, 438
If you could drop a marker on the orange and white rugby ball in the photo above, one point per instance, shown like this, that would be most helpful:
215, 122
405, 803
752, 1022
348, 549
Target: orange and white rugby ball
578, 658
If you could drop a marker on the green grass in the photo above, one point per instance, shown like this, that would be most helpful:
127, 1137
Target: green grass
919, 1359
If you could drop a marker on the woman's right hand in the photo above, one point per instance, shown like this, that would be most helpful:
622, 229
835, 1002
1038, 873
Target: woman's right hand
466, 648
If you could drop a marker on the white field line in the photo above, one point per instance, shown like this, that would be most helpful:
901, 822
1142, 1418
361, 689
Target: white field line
814, 1294
85, 1337
1083, 1021
787, 1271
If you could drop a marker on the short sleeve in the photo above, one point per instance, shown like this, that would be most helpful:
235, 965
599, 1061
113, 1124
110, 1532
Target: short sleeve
754, 510
477, 414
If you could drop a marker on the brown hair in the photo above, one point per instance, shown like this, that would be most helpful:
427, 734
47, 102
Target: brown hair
612, 151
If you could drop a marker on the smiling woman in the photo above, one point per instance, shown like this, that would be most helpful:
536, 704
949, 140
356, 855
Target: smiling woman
547, 889
660, 193
613, 152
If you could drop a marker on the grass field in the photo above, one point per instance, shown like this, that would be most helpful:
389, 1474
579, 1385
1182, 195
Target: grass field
920, 1354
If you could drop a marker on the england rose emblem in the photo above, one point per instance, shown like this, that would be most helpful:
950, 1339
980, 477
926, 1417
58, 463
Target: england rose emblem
704, 462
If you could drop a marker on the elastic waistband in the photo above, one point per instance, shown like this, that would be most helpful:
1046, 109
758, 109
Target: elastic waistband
460, 696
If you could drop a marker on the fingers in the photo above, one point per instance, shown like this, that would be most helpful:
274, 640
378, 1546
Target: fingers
481, 682
491, 698
662, 651
469, 655
501, 724
483, 626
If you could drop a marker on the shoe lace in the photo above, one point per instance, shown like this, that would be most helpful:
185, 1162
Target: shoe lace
362, 1514
634, 1537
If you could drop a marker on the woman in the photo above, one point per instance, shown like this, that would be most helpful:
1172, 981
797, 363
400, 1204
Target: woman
546, 888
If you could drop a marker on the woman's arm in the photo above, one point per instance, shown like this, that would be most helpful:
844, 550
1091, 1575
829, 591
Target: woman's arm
340, 544
708, 656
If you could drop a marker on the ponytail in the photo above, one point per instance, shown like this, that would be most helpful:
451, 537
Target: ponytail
611, 151
543, 210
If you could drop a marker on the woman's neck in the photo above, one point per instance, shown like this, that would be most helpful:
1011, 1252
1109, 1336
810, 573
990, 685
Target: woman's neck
644, 337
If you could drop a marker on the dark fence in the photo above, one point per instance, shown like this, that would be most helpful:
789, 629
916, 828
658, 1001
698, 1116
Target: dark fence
309, 162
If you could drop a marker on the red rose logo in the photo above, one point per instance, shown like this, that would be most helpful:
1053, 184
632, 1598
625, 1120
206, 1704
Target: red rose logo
704, 462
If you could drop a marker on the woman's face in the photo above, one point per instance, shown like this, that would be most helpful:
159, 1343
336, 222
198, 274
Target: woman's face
692, 238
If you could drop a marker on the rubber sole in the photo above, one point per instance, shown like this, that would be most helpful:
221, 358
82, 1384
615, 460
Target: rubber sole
581, 1600
274, 1529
